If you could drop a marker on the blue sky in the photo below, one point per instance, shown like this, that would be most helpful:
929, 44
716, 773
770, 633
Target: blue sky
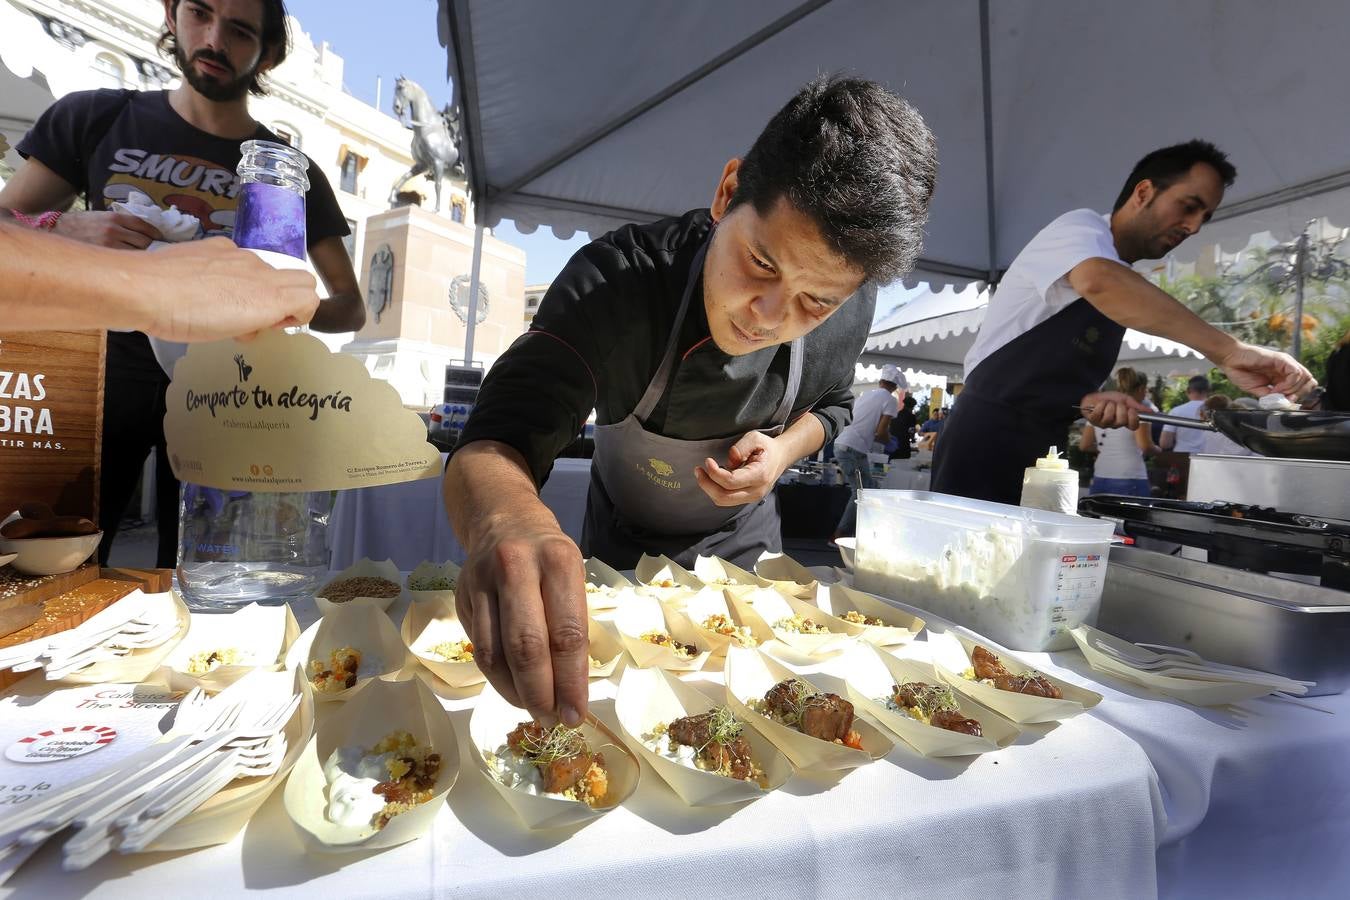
398, 37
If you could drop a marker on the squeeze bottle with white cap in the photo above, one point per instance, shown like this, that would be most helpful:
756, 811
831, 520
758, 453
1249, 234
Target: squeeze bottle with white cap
1051, 485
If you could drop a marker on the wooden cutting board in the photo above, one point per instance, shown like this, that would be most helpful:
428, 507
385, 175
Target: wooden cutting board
77, 604
17, 589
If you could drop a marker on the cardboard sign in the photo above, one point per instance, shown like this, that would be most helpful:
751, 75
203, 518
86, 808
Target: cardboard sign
282, 413
51, 420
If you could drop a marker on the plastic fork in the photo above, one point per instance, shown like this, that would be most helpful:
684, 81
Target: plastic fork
33, 814
1182, 666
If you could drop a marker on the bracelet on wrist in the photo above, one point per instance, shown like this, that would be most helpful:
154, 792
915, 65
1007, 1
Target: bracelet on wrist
42, 221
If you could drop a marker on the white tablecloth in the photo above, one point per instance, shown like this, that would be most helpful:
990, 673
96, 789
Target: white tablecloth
1071, 811
1257, 795
905, 474
408, 523
1250, 801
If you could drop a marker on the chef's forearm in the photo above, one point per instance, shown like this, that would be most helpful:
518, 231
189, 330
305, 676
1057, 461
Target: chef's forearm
1126, 297
51, 282
802, 438
487, 486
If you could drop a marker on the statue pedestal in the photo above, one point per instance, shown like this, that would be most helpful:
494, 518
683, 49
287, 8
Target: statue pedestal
413, 258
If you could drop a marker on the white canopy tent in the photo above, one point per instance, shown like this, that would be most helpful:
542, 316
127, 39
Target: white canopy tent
934, 331
588, 114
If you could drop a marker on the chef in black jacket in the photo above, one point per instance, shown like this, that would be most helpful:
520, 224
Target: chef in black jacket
716, 348
1054, 327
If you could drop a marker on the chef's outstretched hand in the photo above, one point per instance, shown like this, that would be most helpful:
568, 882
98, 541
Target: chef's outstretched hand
1260, 371
1112, 409
521, 596
753, 466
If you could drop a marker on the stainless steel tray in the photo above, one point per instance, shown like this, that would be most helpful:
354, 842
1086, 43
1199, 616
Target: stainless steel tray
1297, 630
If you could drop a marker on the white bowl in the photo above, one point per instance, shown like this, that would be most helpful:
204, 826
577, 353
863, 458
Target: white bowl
848, 546
50, 555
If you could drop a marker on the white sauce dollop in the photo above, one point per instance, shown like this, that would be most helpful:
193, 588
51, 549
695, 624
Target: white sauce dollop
352, 774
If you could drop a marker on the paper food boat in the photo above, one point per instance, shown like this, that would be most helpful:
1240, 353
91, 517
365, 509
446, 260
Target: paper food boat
719, 575
1188, 690
493, 719
223, 816
604, 649
666, 580
365, 628
611, 586
901, 626
713, 601
138, 665
364, 568
873, 673
765, 607
951, 656
378, 709
432, 621
750, 674
425, 569
788, 576
648, 698
644, 614
261, 635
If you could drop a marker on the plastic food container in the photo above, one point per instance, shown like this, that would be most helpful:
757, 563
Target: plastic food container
1021, 577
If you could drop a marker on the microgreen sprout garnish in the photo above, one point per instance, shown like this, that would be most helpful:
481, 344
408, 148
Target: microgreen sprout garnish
931, 698
560, 742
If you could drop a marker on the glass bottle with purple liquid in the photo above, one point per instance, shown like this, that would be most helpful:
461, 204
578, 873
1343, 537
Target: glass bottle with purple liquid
239, 547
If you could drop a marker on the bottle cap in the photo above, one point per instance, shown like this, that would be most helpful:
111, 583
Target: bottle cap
1052, 461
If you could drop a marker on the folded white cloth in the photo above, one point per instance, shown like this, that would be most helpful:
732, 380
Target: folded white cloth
173, 225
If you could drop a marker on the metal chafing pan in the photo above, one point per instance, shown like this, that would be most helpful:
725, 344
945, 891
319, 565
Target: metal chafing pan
1298, 630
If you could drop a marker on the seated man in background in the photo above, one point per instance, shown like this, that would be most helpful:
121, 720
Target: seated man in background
929, 431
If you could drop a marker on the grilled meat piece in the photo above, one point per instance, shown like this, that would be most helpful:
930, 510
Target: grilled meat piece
692, 731
731, 756
988, 665
954, 721
784, 699
827, 716
526, 734
561, 774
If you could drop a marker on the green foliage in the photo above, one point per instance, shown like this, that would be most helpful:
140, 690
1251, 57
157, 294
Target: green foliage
1253, 298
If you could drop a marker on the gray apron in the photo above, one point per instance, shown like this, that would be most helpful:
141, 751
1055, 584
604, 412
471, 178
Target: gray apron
643, 494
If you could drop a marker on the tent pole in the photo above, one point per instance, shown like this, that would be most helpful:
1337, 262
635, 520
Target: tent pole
474, 272
1300, 270
988, 143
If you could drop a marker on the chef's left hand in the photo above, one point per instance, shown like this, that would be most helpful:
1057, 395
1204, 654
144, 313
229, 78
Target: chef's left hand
753, 466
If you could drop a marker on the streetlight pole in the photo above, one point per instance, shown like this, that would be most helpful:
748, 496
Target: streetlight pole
1300, 260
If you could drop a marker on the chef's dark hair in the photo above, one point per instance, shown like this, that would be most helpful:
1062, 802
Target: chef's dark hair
275, 38
857, 159
1165, 167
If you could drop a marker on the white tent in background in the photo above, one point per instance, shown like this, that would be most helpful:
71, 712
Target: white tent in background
593, 113
934, 331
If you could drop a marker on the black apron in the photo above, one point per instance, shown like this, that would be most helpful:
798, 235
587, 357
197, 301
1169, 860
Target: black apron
1020, 400
643, 495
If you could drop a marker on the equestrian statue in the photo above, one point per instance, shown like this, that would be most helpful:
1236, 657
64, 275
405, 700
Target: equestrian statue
435, 143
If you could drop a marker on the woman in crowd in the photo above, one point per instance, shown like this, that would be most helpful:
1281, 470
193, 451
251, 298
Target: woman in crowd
1121, 451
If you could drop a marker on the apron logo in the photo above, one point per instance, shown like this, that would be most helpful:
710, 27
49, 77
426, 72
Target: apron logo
1086, 343
658, 472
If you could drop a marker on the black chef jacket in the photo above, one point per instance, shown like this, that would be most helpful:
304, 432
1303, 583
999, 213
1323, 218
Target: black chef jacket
601, 331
